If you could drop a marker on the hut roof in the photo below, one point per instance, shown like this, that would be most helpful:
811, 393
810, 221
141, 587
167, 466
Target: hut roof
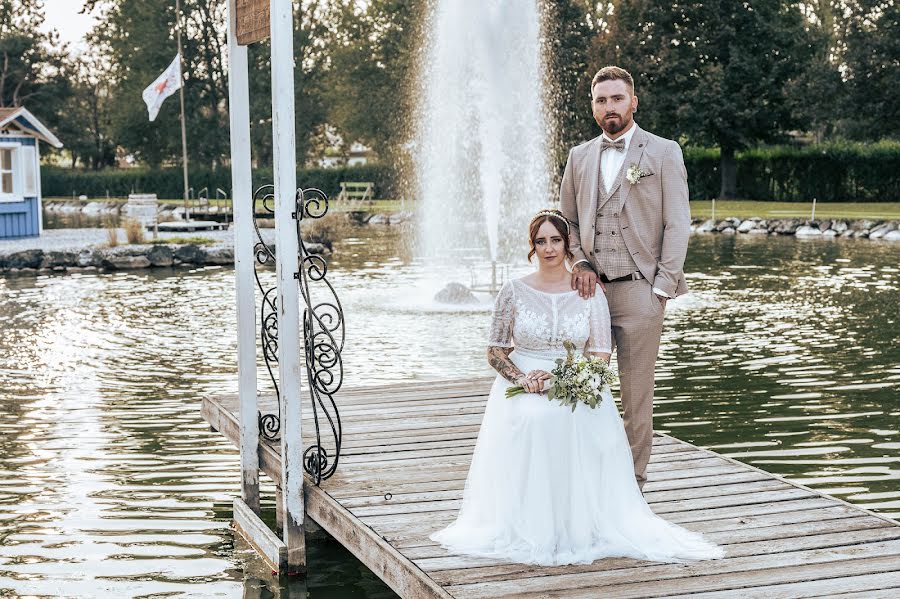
19, 118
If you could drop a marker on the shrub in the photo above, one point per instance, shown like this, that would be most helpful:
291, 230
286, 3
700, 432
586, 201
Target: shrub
326, 230
112, 236
836, 171
167, 183
833, 172
134, 231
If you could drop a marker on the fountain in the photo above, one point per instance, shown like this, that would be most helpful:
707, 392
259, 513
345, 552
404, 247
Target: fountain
481, 150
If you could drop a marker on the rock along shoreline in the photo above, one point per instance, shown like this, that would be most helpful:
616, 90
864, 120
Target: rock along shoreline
221, 253
125, 257
861, 228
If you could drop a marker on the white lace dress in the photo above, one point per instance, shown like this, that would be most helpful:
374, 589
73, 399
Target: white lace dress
548, 485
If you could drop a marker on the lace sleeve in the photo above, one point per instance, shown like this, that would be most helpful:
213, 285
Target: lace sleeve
503, 318
600, 340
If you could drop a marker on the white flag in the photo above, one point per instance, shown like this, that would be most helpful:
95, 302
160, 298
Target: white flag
164, 86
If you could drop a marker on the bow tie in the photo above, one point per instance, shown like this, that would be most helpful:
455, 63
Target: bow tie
618, 145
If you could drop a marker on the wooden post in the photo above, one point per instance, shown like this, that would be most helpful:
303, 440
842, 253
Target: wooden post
184, 156
286, 267
37, 177
242, 205
279, 507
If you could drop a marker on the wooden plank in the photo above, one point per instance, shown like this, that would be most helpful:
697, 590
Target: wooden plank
452, 499
419, 496
260, 536
726, 574
391, 566
798, 485
666, 491
814, 587
252, 21
886, 593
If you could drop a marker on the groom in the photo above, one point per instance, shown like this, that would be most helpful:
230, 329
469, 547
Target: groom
625, 194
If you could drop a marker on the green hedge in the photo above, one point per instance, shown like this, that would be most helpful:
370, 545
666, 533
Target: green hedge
834, 172
828, 172
167, 182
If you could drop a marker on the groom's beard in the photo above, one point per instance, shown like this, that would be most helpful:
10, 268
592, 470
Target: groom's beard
613, 126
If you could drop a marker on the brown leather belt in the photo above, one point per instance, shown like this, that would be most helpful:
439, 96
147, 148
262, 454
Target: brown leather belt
635, 276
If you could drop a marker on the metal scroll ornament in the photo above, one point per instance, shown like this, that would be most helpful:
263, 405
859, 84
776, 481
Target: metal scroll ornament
323, 336
269, 423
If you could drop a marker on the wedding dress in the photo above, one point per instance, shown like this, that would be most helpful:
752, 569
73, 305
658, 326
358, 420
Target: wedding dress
548, 485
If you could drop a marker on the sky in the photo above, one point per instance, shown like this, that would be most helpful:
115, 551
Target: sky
63, 16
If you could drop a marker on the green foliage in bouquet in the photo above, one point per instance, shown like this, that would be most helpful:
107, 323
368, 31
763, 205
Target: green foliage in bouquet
575, 379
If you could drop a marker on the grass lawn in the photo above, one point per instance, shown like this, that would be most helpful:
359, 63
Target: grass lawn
834, 210
376, 206
182, 240
699, 209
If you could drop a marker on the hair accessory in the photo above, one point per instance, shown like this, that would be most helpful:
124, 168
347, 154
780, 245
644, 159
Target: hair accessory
550, 213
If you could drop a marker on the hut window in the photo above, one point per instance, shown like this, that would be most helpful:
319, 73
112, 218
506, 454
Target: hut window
6, 171
29, 168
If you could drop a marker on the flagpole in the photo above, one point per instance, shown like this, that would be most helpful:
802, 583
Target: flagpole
184, 156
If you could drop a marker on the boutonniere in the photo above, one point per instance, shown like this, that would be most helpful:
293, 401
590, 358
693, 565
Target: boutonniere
635, 174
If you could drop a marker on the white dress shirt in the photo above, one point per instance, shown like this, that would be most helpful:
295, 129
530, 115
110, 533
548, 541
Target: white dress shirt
611, 162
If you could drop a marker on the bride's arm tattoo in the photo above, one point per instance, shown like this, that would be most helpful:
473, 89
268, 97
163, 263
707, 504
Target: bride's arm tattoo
498, 358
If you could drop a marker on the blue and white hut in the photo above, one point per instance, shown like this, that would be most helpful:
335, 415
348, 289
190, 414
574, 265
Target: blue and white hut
20, 175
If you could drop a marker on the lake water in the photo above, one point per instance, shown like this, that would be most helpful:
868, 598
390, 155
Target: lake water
785, 356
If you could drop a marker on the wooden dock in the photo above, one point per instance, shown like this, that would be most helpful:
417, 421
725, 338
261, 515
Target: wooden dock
406, 452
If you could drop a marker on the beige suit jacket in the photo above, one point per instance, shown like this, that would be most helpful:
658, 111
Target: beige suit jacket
655, 217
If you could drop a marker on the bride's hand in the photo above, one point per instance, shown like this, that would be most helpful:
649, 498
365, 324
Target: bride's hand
533, 382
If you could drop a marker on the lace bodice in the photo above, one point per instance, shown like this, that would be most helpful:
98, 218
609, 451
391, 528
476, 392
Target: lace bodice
539, 322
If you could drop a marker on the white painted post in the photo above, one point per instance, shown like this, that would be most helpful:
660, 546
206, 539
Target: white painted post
813, 215
37, 176
242, 196
287, 250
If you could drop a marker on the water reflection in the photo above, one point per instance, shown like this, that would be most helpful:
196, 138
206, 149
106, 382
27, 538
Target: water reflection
785, 357
787, 354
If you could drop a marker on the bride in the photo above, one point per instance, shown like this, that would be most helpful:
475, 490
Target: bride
548, 485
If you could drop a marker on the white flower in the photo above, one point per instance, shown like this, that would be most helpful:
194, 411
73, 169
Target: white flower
635, 174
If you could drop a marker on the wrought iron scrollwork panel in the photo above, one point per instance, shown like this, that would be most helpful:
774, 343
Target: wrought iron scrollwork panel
323, 335
269, 423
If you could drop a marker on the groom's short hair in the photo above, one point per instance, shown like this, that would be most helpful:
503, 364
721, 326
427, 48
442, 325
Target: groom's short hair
610, 73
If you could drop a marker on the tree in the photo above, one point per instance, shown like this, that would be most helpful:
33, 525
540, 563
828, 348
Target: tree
33, 64
569, 32
372, 77
816, 94
713, 71
871, 42
311, 42
137, 39
86, 123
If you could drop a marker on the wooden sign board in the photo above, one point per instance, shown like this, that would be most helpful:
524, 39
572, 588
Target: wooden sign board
252, 21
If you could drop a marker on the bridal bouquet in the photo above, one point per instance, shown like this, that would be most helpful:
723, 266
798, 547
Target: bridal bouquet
576, 379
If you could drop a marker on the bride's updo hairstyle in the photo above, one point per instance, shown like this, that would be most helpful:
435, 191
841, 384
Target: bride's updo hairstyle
555, 218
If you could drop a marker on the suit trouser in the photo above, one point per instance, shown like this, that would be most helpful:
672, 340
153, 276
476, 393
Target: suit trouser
637, 318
